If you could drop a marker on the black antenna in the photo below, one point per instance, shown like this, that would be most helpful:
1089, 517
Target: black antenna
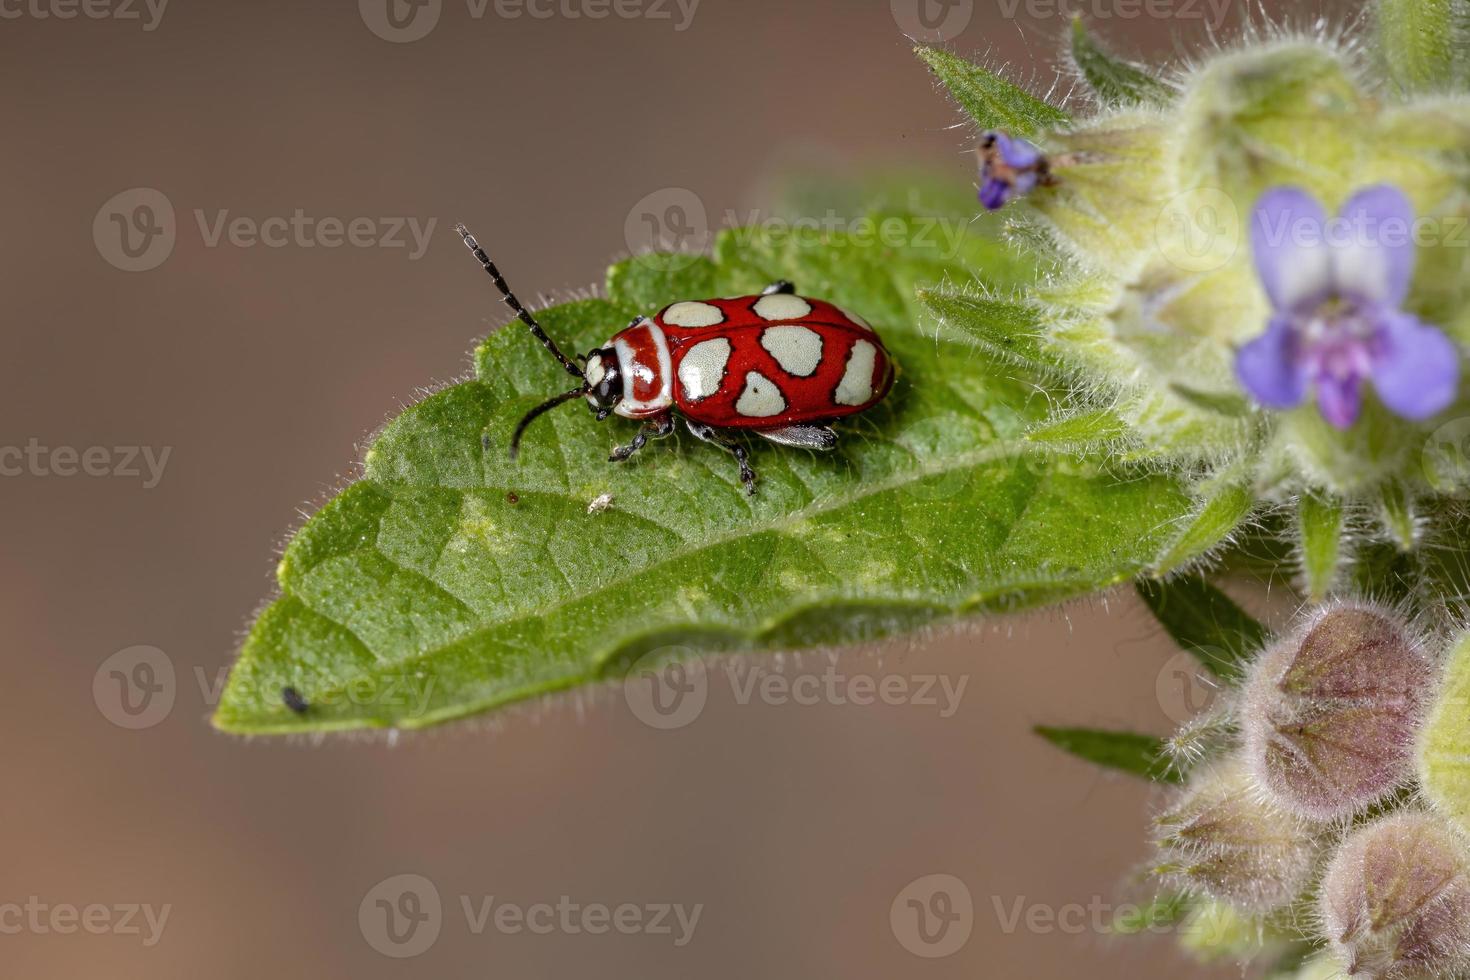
515, 304
537, 412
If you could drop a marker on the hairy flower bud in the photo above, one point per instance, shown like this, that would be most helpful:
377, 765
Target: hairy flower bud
1330, 714
1222, 839
1395, 901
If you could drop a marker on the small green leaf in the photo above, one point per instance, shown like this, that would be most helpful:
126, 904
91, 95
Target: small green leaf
1319, 530
1396, 509
1086, 432
1008, 331
1130, 752
450, 580
1221, 403
990, 100
1418, 40
1220, 508
1204, 621
1115, 82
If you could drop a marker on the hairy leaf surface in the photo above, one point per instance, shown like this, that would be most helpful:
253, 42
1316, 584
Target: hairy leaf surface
449, 580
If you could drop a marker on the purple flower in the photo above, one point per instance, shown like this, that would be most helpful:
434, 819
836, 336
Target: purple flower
1336, 291
1008, 168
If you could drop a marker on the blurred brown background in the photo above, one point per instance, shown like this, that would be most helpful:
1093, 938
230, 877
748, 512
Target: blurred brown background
259, 367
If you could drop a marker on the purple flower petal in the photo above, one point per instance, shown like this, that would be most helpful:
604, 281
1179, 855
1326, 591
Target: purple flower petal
994, 193
1291, 254
1339, 400
1270, 367
1415, 367
1017, 152
1373, 245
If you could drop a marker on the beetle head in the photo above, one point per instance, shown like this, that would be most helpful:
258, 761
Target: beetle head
604, 381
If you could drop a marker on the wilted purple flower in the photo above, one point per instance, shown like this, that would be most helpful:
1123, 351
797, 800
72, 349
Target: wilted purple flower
1009, 167
1337, 318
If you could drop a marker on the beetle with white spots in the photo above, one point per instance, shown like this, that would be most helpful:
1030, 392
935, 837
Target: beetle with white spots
778, 365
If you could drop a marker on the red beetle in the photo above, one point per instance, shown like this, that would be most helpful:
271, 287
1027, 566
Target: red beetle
777, 364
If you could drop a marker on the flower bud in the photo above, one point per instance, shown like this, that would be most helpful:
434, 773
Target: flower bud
1329, 715
1224, 840
1395, 900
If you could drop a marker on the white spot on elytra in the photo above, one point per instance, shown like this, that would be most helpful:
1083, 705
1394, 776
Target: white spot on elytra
692, 314
782, 306
856, 319
703, 367
796, 348
856, 386
761, 398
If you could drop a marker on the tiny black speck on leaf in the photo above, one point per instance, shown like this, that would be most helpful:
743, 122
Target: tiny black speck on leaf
294, 700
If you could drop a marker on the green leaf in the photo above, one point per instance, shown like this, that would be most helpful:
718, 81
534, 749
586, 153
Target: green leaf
1221, 403
449, 580
990, 100
1396, 509
1220, 508
1006, 330
1084, 432
1130, 752
1418, 40
1319, 529
1115, 82
1204, 621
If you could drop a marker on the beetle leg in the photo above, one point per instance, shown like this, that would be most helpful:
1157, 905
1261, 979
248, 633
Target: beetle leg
731, 445
779, 286
656, 428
